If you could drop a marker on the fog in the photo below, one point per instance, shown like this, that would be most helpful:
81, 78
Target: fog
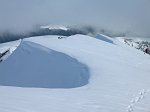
126, 16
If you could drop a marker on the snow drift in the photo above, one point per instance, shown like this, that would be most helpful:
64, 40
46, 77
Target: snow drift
33, 65
104, 38
119, 76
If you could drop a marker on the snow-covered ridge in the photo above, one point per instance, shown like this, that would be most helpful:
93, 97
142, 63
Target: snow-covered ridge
6, 49
104, 38
117, 74
33, 65
136, 43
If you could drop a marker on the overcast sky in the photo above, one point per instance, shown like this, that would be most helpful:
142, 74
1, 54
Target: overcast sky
117, 15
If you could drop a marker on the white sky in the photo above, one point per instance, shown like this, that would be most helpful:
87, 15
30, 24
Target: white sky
117, 15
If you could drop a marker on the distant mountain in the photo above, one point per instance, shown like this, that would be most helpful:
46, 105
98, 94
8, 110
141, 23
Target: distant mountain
55, 27
42, 30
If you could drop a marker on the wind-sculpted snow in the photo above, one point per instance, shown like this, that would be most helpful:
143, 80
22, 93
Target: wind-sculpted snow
104, 38
119, 76
33, 65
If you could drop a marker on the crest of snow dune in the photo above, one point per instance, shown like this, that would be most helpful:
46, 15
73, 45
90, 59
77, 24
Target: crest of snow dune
33, 65
104, 38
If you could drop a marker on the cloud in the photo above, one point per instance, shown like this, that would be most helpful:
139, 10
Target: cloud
130, 16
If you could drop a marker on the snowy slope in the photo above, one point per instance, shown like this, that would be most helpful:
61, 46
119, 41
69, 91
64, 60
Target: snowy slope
136, 43
119, 79
33, 65
104, 38
11, 46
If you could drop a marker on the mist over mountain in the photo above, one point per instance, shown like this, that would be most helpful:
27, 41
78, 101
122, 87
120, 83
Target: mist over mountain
71, 30
74, 55
123, 17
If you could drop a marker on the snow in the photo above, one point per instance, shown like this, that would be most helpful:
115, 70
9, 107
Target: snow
128, 41
136, 43
54, 27
11, 46
104, 38
118, 76
33, 65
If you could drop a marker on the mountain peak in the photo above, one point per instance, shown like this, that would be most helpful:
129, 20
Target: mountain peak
55, 27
